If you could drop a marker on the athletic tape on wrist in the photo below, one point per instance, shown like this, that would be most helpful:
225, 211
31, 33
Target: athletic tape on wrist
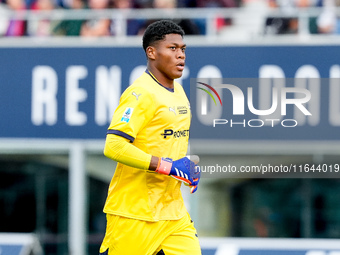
164, 166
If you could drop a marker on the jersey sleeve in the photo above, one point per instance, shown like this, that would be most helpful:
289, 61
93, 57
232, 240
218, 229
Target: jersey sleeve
135, 110
119, 149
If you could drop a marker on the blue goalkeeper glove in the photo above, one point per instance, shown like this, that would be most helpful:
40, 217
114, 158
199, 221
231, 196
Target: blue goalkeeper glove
184, 170
195, 159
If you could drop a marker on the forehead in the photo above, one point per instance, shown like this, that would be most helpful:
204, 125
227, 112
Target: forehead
173, 39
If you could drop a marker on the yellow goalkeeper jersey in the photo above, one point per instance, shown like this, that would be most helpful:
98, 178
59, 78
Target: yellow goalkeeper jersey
156, 120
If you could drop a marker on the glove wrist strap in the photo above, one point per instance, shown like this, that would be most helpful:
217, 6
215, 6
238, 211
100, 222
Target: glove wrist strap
164, 166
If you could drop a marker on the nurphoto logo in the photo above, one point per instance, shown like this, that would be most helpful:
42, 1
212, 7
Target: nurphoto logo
278, 101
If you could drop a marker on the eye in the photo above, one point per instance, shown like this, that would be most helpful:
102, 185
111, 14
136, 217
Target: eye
183, 49
172, 48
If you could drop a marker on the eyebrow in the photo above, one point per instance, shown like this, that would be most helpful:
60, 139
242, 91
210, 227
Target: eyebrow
177, 45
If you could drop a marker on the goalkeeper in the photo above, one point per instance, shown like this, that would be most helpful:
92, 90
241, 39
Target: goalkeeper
148, 137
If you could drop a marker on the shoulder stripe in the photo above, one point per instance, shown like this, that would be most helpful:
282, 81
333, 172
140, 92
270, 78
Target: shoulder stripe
120, 133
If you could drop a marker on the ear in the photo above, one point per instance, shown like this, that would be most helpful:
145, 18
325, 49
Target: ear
151, 52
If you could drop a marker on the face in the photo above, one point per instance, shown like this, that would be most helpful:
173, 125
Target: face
98, 4
168, 56
164, 4
123, 4
16, 4
45, 5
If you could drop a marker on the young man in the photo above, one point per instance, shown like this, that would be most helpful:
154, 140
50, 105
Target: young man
148, 137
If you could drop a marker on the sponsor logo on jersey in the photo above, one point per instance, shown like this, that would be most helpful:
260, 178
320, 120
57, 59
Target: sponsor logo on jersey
176, 134
172, 109
182, 109
127, 115
136, 95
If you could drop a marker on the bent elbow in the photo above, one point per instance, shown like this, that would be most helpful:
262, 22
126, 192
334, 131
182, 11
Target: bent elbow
106, 150
114, 147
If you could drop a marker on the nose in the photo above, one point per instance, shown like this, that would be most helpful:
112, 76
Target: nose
181, 54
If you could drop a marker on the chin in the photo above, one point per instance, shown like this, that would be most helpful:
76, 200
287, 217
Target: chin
178, 75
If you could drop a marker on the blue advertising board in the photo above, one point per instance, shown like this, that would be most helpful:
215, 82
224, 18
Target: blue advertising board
10, 249
72, 92
19, 244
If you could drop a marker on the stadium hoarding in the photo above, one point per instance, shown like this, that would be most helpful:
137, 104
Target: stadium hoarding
71, 93
20, 244
272, 246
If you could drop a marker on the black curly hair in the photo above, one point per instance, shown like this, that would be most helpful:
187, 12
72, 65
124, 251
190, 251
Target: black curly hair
158, 30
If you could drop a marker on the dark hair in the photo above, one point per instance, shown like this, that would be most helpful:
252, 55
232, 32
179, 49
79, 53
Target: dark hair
158, 30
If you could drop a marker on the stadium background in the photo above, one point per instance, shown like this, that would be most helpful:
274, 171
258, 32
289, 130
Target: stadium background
57, 96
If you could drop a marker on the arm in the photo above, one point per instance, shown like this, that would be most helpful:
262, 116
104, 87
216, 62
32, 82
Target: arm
121, 150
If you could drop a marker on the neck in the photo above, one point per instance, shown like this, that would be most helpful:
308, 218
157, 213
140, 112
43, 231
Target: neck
165, 81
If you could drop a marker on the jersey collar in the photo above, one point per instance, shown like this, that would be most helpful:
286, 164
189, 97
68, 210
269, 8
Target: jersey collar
154, 78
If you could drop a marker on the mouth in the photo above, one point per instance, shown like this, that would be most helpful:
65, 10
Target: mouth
180, 66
